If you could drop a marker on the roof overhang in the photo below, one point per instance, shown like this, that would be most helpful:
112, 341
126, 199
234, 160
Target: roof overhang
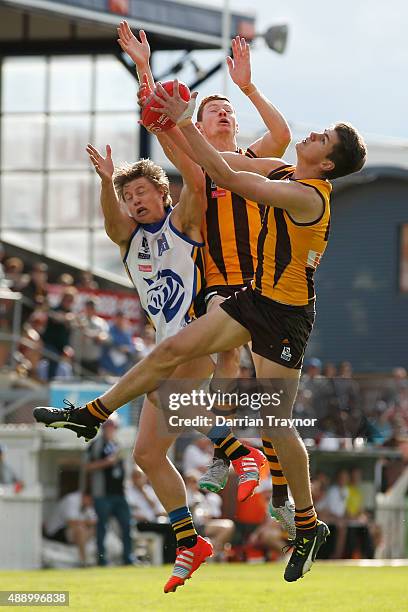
32, 26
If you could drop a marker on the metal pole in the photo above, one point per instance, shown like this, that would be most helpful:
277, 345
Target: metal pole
226, 43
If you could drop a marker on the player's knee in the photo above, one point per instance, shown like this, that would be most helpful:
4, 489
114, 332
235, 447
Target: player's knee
144, 456
172, 351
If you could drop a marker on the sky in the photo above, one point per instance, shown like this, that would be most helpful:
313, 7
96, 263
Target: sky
345, 60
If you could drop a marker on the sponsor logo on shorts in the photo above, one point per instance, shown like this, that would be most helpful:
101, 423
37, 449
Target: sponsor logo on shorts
286, 354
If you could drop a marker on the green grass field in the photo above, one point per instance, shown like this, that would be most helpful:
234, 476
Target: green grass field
232, 588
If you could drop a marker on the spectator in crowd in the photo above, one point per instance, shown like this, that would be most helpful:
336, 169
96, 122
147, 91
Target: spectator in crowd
66, 280
359, 532
87, 281
64, 370
119, 349
14, 273
148, 513
329, 370
31, 344
143, 501
72, 522
332, 510
91, 333
7, 475
393, 388
198, 455
57, 332
106, 474
145, 343
36, 291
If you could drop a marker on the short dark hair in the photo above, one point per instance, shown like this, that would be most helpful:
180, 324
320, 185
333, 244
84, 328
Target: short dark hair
206, 100
349, 154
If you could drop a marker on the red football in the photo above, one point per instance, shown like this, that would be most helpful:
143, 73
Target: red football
155, 121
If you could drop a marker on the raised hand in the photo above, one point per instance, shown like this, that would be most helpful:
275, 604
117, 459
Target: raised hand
138, 51
239, 65
103, 165
173, 106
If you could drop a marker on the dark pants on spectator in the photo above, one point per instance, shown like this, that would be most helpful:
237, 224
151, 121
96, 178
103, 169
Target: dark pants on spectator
117, 506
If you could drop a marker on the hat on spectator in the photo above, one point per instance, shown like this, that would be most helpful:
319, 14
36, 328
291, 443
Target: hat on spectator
314, 362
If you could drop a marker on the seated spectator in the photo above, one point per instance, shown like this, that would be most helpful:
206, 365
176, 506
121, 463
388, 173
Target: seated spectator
118, 350
143, 502
198, 455
90, 334
148, 513
332, 510
358, 534
72, 522
7, 475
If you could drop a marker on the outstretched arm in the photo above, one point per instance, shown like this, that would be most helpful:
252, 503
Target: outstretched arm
118, 224
294, 197
276, 140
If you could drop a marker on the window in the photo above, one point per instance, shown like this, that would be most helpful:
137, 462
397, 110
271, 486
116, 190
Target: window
51, 107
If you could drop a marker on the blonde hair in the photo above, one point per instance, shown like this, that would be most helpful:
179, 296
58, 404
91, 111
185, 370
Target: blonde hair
144, 168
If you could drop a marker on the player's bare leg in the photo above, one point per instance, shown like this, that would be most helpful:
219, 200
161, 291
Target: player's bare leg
227, 367
310, 533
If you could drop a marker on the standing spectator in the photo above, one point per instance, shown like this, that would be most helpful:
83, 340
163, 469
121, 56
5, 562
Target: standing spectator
65, 368
72, 522
106, 472
36, 291
58, 328
90, 335
119, 348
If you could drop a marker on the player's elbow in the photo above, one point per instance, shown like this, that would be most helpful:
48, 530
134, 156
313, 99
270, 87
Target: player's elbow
284, 139
223, 176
